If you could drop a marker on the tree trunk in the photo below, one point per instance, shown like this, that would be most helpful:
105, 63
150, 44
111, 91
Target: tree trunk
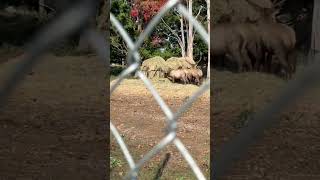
140, 29
208, 19
190, 37
183, 48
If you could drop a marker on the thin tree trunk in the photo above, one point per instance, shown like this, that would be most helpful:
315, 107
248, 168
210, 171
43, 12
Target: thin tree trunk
140, 29
190, 37
183, 48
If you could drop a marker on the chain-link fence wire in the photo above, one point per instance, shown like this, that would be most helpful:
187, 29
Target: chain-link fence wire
75, 20
133, 59
236, 147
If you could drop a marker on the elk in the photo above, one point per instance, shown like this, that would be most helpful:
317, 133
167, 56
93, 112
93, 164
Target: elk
178, 75
230, 39
252, 44
276, 39
194, 75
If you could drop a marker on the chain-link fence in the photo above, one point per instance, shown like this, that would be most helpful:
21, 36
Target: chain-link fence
76, 19
133, 60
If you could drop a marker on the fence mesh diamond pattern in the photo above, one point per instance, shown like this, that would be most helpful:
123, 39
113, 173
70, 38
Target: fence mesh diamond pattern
76, 19
133, 60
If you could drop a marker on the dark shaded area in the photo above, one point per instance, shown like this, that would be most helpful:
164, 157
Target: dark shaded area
29, 3
53, 125
17, 30
289, 150
303, 12
297, 14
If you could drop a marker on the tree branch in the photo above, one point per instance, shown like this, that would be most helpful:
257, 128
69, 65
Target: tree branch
196, 17
171, 30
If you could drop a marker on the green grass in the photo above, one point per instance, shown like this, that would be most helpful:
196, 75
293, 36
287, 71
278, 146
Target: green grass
115, 162
115, 70
112, 77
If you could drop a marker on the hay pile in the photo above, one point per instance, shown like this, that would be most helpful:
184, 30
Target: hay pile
155, 67
178, 63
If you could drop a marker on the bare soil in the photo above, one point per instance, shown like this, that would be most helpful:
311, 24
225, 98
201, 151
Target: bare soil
288, 151
141, 122
54, 124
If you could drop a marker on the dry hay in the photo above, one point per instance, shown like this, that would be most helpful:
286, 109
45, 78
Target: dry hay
155, 67
178, 63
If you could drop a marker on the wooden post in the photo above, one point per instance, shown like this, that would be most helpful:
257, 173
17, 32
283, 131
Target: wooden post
315, 41
208, 16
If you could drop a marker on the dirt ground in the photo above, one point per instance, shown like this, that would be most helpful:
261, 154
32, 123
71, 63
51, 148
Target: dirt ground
54, 125
141, 122
288, 151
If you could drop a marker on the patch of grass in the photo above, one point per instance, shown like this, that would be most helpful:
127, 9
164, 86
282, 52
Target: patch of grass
116, 70
244, 117
207, 158
181, 178
112, 77
115, 162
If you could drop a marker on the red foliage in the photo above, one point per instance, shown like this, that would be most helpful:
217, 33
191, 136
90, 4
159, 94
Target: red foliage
146, 9
134, 12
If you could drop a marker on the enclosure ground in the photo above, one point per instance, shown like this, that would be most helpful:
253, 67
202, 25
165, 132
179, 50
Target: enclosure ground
288, 151
54, 125
142, 123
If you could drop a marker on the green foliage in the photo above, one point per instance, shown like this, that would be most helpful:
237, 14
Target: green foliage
121, 9
148, 50
201, 50
114, 163
116, 70
181, 178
